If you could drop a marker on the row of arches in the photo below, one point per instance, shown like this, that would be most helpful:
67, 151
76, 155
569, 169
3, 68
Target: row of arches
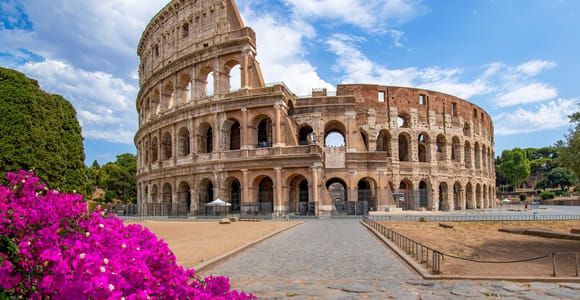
184, 88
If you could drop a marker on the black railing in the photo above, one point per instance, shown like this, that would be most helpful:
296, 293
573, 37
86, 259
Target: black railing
350, 208
476, 218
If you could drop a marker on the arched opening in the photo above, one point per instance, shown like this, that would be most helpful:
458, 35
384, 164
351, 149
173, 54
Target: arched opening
209, 84
305, 135
266, 195
234, 76
231, 135
206, 195
441, 148
423, 195
155, 103
234, 189
154, 194
404, 149
365, 139
166, 193
384, 142
183, 142
367, 195
337, 190
466, 129
205, 138
168, 95
477, 154
478, 198
483, 157
484, 197
469, 201
457, 195
455, 149
423, 147
184, 198
299, 197
146, 156
146, 194
334, 134
467, 153
167, 146
184, 89
403, 121
154, 150
406, 199
265, 133
443, 197
290, 108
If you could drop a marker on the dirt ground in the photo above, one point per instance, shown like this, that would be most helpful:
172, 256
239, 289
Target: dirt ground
483, 241
196, 242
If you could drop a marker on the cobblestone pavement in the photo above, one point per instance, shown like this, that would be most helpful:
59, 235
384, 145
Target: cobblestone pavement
340, 259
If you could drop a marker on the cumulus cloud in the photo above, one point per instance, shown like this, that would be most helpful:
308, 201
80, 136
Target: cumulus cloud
551, 115
371, 15
531, 93
535, 67
104, 103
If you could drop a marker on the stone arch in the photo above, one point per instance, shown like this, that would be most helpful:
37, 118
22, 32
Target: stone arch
455, 149
231, 135
365, 139
467, 155
154, 150
484, 157
457, 190
298, 194
168, 93
384, 142
404, 120
206, 192
167, 146
154, 194
184, 88
469, 200
441, 147
167, 193
367, 192
484, 197
206, 81
334, 134
305, 135
155, 103
478, 199
443, 197
265, 193
234, 75
477, 155
423, 147
404, 147
466, 129
205, 138
423, 198
337, 189
263, 131
184, 195
406, 188
234, 193
183, 147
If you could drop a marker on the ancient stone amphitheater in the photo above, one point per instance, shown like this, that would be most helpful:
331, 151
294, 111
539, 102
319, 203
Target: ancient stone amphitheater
210, 127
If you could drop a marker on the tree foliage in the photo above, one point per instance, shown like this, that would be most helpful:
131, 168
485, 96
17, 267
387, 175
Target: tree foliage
116, 178
39, 131
560, 177
514, 166
569, 150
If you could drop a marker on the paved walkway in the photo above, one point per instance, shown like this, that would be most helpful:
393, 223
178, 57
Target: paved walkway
340, 259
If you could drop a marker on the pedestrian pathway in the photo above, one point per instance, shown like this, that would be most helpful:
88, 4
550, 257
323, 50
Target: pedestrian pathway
341, 259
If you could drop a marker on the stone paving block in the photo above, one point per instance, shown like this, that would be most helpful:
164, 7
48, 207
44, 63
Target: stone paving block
574, 286
534, 296
564, 293
543, 286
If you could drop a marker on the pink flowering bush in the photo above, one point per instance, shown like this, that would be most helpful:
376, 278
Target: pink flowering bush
50, 247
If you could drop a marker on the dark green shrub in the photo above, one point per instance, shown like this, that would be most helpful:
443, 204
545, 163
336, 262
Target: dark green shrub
547, 195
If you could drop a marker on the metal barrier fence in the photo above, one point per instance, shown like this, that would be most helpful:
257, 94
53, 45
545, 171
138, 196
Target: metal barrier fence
476, 218
350, 208
421, 253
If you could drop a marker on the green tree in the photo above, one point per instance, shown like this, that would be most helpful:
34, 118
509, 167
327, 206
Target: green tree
39, 131
514, 166
560, 177
569, 150
118, 178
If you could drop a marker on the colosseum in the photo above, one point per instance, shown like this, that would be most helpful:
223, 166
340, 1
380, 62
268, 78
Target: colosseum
210, 127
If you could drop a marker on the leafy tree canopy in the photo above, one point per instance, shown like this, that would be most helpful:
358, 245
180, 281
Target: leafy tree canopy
514, 166
116, 178
39, 131
569, 150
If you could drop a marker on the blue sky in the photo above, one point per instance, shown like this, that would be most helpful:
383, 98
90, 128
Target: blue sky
516, 59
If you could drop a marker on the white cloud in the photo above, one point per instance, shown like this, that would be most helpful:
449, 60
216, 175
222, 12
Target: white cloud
281, 51
535, 67
531, 93
371, 15
551, 115
105, 104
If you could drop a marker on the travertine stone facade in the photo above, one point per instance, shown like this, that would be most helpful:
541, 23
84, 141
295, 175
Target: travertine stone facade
262, 147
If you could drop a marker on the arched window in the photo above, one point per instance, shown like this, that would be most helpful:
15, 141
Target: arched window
209, 84
168, 95
265, 133
469, 201
235, 76
167, 146
167, 193
366, 194
477, 152
235, 193
384, 142
441, 147
467, 151
184, 197
423, 195
305, 135
337, 190
455, 149
404, 121
266, 195
334, 134
423, 147
183, 142
404, 148
154, 150
235, 136
205, 138
443, 196
457, 195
